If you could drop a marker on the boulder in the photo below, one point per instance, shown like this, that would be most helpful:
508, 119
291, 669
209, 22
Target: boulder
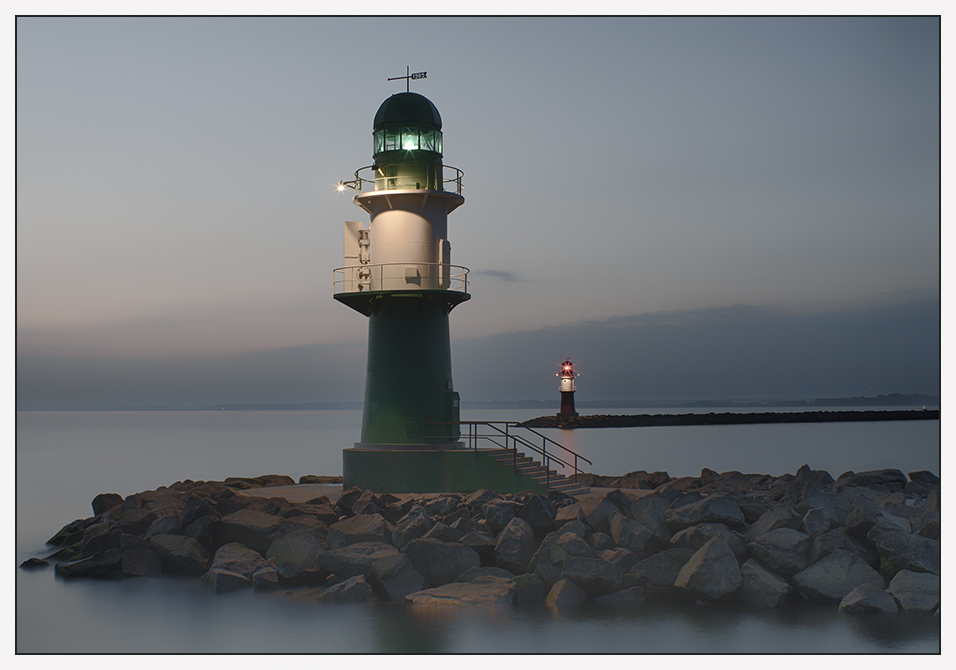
620, 556
661, 569
751, 508
924, 477
568, 513
498, 513
717, 508
483, 545
359, 528
265, 579
696, 537
196, 507
915, 515
865, 513
296, 559
441, 562
355, 589
834, 576
394, 577
108, 563
354, 559
482, 592
565, 593
202, 529
839, 539
515, 546
250, 527
366, 503
868, 599
71, 533
596, 512
835, 504
100, 537
442, 505
180, 554
600, 541
320, 511
712, 571
762, 588
411, 527
219, 580
902, 550
541, 563
633, 536
569, 544
167, 525
440, 531
594, 575
480, 497
649, 512
783, 551
488, 571
621, 500
238, 558
347, 499
815, 522
539, 513
915, 591
530, 588
779, 515
889, 480
105, 502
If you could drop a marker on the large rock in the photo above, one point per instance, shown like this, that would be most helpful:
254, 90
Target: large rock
839, 539
539, 513
296, 558
565, 593
411, 527
834, 576
815, 522
621, 557
594, 575
835, 504
633, 536
865, 513
441, 562
219, 580
712, 571
250, 527
100, 537
515, 546
868, 599
779, 515
717, 508
482, 592
238, 558
696, 537
108, 563
888, 480
498, 513
661, 569
762, 588
783, 551
359, 528
649, 512
915, 591
355, 589
142, 563
394, 577
568, 513
354, 559
105, 502
596, 512
531, 588
902, 550
180, 554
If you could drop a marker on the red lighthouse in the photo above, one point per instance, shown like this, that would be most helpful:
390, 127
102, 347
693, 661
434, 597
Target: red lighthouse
567, 375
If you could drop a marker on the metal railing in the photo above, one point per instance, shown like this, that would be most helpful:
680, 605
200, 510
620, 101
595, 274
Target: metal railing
502, 434
381, 181
396, 277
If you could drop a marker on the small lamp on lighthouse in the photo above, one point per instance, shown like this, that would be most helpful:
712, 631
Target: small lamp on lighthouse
566, 374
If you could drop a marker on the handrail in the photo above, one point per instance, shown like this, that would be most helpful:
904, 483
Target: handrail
474, 436
358, 184
368, 277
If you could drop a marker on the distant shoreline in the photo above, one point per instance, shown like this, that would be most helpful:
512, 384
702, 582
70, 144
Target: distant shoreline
726, 418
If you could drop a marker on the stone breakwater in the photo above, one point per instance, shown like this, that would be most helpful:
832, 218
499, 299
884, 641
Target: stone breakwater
725, 418
866, 542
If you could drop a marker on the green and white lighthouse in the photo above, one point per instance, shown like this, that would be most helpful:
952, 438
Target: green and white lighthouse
398, 273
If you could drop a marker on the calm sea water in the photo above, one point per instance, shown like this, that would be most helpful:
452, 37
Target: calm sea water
64, 459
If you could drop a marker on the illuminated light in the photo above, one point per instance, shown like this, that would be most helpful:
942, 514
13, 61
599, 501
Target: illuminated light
340, 187
409, 145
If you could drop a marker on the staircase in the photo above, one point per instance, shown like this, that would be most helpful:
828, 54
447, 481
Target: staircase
533, 469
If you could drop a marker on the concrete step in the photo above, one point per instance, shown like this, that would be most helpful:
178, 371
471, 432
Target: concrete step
538, 472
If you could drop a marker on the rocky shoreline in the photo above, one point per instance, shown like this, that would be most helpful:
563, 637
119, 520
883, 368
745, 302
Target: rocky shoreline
867, 543
725, 418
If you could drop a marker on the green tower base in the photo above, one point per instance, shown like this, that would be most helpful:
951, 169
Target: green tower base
432, 471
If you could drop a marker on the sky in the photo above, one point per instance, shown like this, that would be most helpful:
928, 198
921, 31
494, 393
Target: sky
691, 208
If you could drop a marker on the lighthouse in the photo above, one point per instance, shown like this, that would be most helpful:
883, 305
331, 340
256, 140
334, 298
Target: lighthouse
398, 273
566, 386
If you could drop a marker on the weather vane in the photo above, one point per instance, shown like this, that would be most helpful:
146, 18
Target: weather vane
408, 77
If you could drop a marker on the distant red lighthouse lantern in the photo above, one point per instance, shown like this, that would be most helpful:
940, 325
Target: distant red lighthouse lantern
567, 375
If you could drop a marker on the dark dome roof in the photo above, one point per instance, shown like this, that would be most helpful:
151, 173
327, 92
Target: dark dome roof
407, 109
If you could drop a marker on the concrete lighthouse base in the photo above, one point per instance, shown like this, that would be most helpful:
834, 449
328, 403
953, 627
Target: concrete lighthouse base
432, 471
